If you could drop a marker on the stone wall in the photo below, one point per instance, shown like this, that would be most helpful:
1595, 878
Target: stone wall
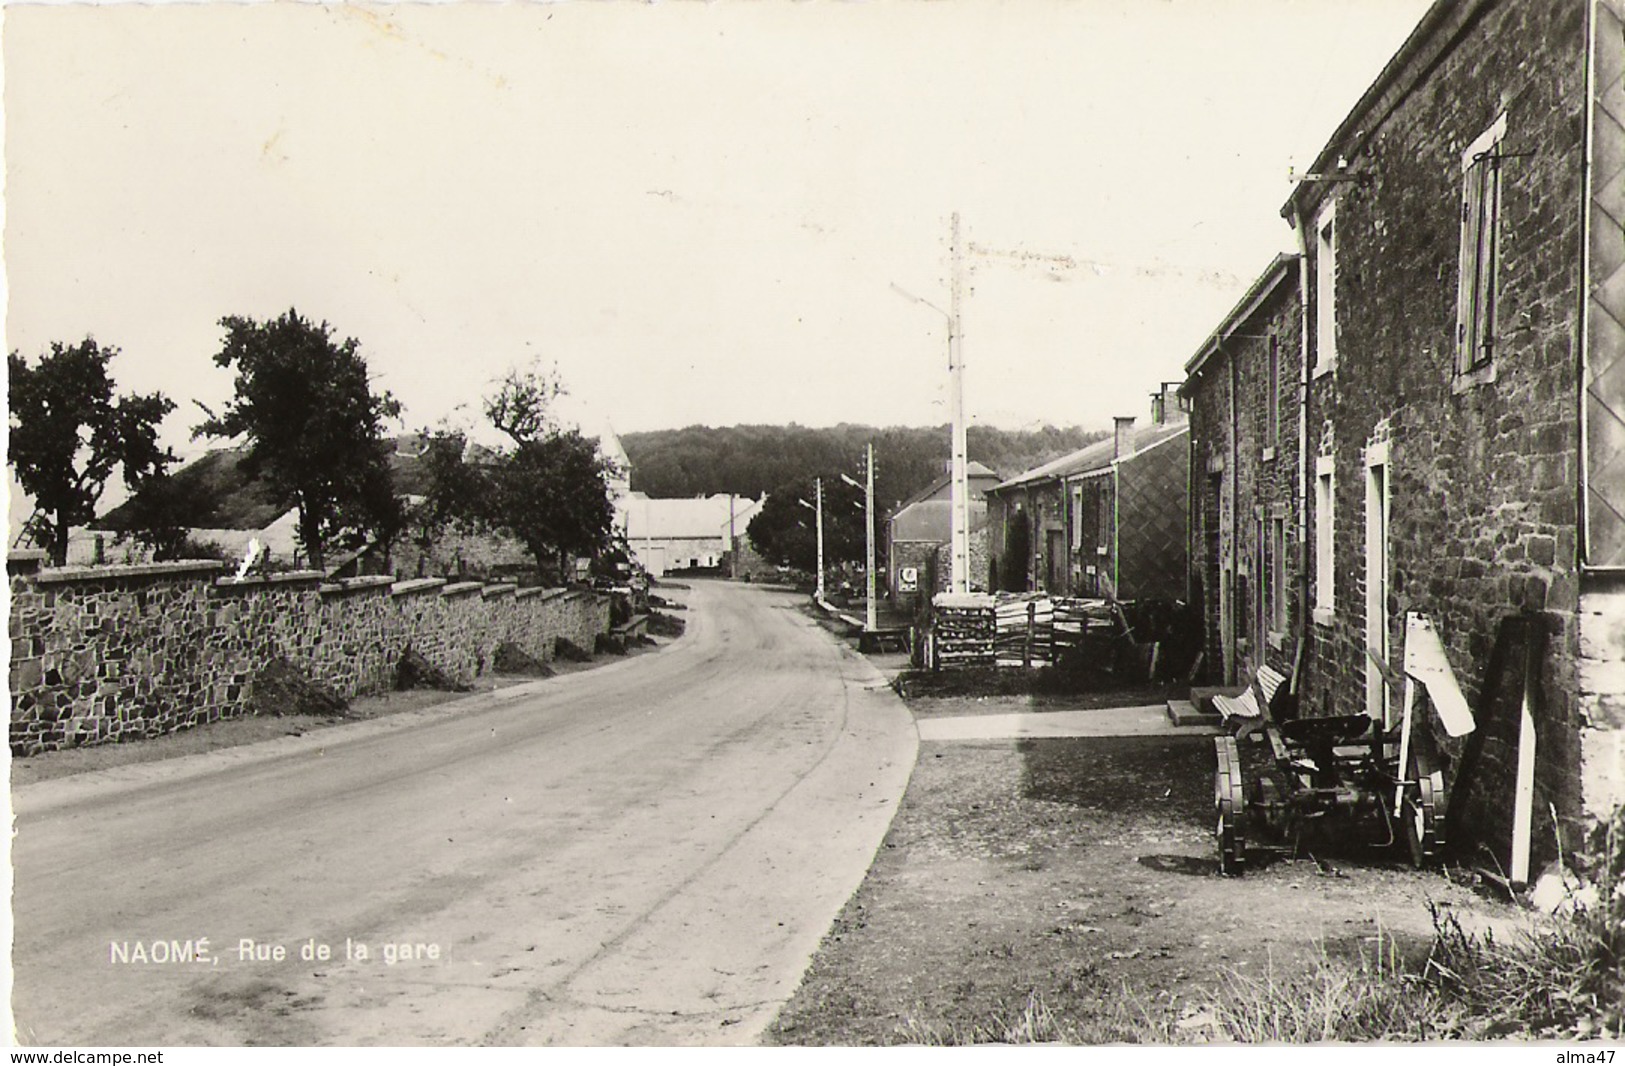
1242, 479
108, 653
1481, 469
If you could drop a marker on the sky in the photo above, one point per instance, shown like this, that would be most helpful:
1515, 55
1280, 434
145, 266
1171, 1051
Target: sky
701, 213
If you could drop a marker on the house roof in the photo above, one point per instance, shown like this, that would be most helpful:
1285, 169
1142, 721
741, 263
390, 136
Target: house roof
1397, 77
932, 521
1097, 457
1265, 286
974, 471
216, 493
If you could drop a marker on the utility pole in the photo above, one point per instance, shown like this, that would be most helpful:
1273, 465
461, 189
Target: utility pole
959, 486
870, 620
870, 615
818, 486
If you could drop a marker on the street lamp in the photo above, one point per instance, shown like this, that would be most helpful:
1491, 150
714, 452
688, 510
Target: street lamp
958, 485
871, 620
818, 487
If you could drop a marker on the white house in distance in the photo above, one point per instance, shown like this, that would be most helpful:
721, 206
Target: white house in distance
683, 534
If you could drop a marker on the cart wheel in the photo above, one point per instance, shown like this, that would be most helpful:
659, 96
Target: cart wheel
1229, 805
1423, 809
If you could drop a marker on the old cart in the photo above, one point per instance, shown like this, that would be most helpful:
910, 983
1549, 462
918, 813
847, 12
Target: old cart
1361, 776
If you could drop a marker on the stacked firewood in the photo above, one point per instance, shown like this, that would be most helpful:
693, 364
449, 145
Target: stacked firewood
962, 629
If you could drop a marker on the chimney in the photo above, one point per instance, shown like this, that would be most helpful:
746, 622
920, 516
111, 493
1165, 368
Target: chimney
1157, 399
1122, 426
1168, 407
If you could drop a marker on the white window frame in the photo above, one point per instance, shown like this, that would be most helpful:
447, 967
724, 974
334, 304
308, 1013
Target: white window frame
1478, 265
1326, 289
1325, 546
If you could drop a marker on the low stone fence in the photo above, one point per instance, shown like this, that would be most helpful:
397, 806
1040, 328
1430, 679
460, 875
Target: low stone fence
110, 652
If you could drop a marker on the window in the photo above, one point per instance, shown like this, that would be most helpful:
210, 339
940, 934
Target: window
1277, 574
1480, 250
1324, 573
1077, 518
1326, 289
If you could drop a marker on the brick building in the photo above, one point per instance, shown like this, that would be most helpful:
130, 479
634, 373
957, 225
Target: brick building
1245, 522
1460, 451
1108, 520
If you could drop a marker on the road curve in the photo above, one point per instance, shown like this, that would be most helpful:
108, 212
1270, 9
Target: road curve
645, 853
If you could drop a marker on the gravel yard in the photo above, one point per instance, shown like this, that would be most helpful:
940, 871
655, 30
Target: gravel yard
1067, 889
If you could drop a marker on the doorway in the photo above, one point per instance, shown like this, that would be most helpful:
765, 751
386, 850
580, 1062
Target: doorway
1376, 582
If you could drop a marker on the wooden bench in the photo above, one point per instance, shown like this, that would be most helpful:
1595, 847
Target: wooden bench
1255, 699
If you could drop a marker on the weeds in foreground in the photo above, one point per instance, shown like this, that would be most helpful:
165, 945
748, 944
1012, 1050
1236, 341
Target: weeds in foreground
1124, 1021
1562, 979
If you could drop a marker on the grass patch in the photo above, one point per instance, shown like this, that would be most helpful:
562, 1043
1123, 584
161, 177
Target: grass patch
1558, 979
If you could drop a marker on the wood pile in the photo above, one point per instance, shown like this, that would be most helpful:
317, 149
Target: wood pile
962, 630
1015, 629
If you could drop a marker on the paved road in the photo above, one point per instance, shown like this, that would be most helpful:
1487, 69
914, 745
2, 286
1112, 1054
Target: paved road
648, 852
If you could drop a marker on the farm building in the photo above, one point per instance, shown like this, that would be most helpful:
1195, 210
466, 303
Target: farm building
683, 534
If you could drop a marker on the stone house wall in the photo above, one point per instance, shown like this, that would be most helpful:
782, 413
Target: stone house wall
1481, 474
108, 653
1242, 479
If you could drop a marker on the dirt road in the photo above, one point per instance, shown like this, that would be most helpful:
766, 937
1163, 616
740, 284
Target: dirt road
646, 853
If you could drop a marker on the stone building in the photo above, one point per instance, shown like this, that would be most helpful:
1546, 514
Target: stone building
921, 524
1245, 522
1108, 520
1460, 451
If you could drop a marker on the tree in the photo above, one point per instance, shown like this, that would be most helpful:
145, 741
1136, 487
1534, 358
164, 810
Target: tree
551, 490
552, 494
156, 517
457, 493
786, 533
68, 435
522, 406
314, 428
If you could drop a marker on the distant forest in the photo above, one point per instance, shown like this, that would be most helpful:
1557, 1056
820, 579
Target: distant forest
753, 460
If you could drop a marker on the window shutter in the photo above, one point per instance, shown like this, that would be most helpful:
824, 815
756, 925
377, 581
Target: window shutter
1468, 291
1488, 253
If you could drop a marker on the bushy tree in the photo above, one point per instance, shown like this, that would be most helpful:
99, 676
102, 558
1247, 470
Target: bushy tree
785, 532
457, 494
552, 494
551, 489
315, 428
69, 434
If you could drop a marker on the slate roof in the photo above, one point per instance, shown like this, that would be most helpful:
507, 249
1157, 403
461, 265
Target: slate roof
218, 494
1095, 457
